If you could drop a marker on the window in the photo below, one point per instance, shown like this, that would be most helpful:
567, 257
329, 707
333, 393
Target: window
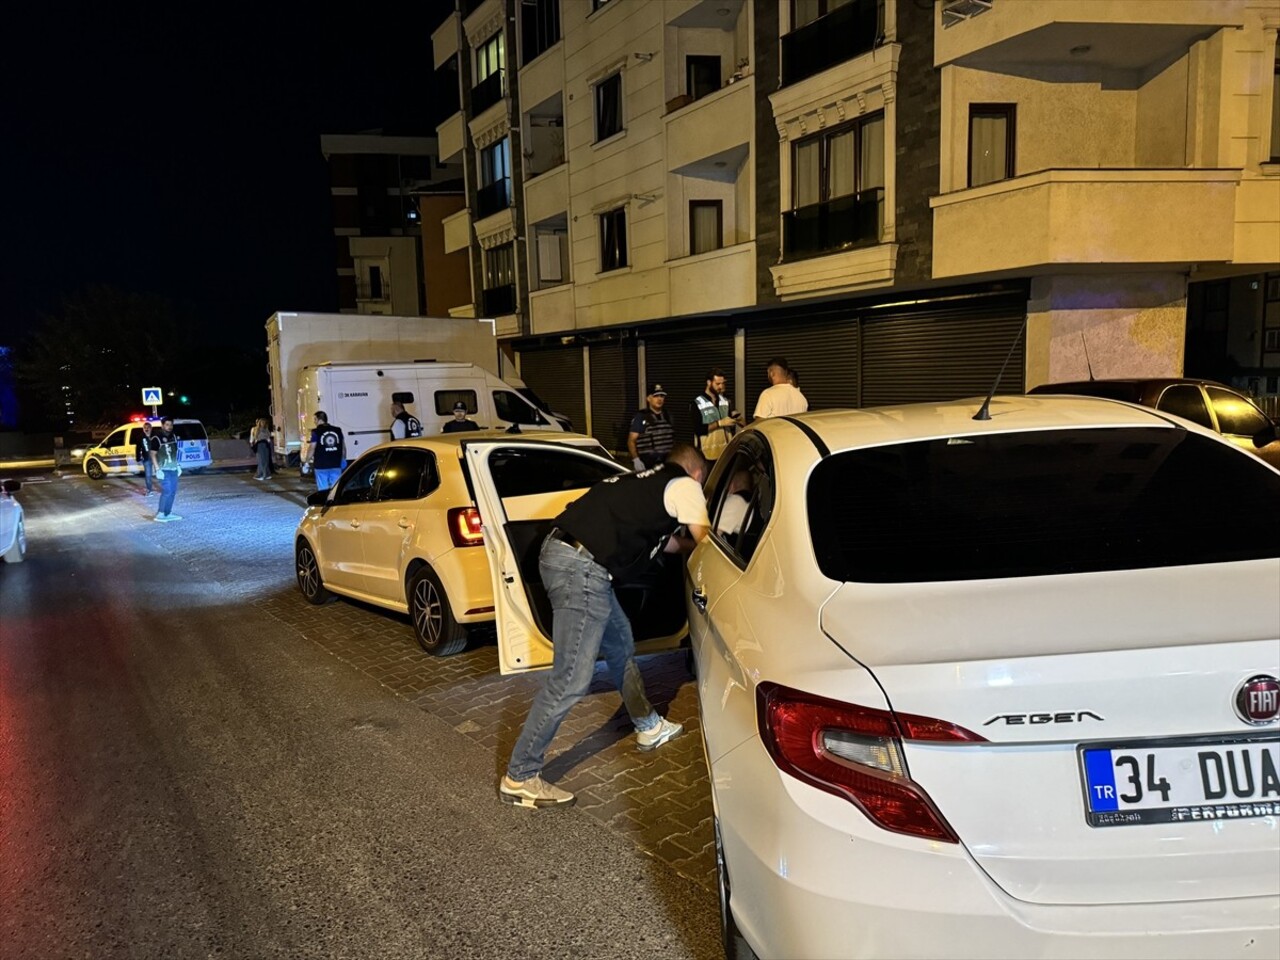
992, 133
407, 475
540, 26
702, 75
1040, 503
356, 485
1184, 400
706, 226
495, 178
608, 107
500, 266
806, 11
1236, 415
375, 283
491, 57
837, 189
523, 471
1275, 112
742, 502
445, 399
613, 239
511, 408
115, 440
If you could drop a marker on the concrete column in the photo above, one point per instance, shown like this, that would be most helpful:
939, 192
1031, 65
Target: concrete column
1129, 324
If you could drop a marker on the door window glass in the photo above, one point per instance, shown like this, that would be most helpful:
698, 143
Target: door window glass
1236, 414
407, 475
190, 431
356, 485
115, 440
513, 409
1184, 400
742, 502
521, 471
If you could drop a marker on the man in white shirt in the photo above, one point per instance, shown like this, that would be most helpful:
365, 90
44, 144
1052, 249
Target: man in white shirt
781, 399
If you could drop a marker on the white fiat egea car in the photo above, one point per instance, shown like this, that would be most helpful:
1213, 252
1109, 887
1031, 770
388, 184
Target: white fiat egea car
992, 688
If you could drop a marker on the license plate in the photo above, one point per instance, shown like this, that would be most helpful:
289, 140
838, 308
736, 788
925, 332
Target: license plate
1177, 781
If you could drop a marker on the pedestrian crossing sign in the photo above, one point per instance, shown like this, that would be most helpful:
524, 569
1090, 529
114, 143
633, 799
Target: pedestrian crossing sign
151, 396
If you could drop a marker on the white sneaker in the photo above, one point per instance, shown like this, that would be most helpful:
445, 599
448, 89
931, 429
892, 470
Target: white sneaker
534, 792
664, 731
173, 516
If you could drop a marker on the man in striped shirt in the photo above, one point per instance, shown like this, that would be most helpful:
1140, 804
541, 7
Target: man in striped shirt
652, 436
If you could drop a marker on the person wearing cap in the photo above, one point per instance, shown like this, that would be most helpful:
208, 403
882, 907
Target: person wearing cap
652, 436
460, 423
780, 399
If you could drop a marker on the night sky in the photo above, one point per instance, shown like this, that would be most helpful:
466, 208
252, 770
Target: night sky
163, 152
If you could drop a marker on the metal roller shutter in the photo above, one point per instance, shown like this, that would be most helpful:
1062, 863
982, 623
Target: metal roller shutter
942, 353
680, 364
556, 376
824, 353
613, 392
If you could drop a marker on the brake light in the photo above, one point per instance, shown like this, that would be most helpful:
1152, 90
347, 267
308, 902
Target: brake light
464, 527
855, 752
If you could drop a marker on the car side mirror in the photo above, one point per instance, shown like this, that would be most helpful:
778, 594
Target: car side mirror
1266, 435
11, 486
318, 498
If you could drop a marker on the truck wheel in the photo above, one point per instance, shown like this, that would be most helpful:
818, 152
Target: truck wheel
438, 633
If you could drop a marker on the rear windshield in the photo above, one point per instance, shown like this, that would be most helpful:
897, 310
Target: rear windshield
1035, 504
190, 431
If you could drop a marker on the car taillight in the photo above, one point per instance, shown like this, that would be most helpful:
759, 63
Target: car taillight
464, 527
855, 752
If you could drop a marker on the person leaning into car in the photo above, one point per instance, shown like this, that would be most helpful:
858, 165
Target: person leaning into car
608, 536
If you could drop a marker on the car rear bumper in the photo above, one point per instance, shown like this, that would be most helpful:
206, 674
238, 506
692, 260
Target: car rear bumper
812, 877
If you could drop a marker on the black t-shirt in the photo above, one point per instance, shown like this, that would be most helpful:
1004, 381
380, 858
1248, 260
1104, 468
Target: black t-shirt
460, 426
328, 444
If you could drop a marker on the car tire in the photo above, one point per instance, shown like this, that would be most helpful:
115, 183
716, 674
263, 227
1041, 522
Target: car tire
735, 945
438, 633
94, 469
18, 552
307, 569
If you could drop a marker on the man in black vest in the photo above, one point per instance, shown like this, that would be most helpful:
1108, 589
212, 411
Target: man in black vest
404, 425
608, 536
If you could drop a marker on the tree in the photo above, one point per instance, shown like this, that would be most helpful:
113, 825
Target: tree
88, 362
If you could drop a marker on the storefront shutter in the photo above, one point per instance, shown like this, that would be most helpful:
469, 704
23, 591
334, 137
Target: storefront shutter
680, 364
823, 352
613, 392
556, 376
942, 352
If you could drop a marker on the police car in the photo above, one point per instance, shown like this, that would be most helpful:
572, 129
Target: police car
117, 454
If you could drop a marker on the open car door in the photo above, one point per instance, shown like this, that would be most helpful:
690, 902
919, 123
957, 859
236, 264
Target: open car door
520, 487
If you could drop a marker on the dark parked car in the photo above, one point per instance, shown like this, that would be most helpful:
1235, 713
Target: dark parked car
1205, 402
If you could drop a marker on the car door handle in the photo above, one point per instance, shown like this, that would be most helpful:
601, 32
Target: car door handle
404, 523
355, 524
700, 599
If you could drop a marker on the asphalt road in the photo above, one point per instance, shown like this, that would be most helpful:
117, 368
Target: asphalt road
182, 775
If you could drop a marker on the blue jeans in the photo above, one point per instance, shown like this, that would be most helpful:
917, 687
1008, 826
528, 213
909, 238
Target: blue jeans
588, 623
168, 492
327, 478
149, 470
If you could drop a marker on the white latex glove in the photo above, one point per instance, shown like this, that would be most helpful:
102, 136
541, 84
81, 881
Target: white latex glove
637, 464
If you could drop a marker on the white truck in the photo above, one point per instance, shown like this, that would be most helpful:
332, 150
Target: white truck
390, 355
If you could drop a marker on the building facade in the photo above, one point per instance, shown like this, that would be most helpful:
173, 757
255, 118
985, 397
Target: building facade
884, 191
375, 185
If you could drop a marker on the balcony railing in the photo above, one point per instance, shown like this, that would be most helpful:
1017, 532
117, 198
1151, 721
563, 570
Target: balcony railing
496, 196
497, 301
841, 35
487, 92
852, 221
377, 293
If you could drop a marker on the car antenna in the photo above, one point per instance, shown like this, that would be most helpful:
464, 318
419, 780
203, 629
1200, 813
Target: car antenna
1089, 366
984, 411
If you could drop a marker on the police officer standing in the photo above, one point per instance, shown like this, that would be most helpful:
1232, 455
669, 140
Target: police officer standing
652, 434
460, 423
405, 424
608, 536
326, 451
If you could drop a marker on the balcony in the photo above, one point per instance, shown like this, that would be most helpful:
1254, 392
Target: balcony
496, 196
457, 231
713, 281
832, 226
1120, 34
709, 126
1159, 217
451, 135
841, 35
487, 92
496, 301
367, 292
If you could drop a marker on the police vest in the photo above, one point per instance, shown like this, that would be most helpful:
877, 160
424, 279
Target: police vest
657, 437
328, 447
713, 441
623, 521
412, 425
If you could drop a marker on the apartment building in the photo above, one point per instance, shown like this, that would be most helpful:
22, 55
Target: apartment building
883, 191
380, 186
